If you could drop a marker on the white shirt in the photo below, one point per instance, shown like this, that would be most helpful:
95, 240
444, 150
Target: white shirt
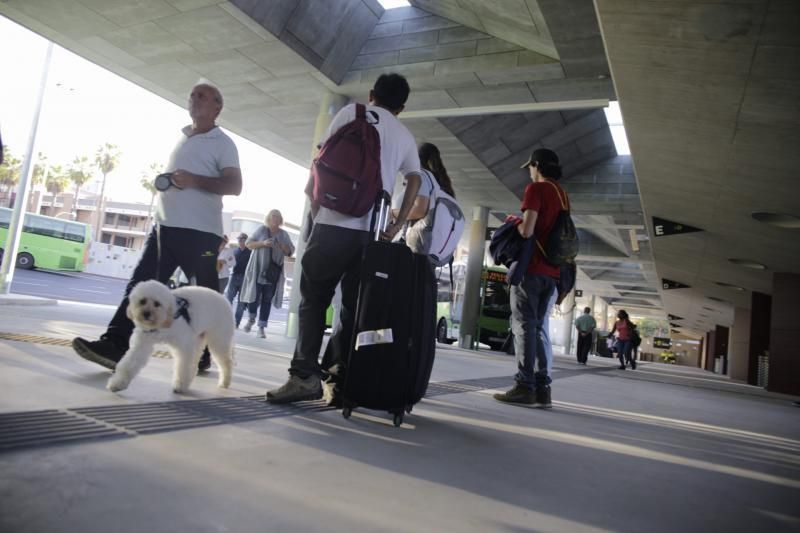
398, 154
229, 260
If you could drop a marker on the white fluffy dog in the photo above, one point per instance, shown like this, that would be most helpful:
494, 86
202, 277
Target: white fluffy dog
185, 319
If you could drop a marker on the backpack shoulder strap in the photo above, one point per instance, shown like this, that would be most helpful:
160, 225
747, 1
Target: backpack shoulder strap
361, 112
559, 191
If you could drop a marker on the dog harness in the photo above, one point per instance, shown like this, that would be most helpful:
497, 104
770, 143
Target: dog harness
182, 309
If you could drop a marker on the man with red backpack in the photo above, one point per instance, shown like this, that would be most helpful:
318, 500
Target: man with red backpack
542, 204
341, 229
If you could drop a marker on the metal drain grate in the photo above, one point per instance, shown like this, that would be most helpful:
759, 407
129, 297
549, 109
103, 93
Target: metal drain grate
55, 341
467, 385
148, 417
42, 428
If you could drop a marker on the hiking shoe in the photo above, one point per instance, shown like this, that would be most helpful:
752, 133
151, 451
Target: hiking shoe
543, 400
249, 326
205, 361
332, 394
518, 394
297, 389
261, 334
103, 352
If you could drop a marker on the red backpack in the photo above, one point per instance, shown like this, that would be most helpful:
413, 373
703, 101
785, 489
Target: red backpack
346, 174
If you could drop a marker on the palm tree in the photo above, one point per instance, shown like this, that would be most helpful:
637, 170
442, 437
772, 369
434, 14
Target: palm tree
147, 182
9, 172
106, 160
40, 169
56, 182
79, 173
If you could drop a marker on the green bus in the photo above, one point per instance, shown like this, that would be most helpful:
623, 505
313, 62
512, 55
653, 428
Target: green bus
495, 308
48, 242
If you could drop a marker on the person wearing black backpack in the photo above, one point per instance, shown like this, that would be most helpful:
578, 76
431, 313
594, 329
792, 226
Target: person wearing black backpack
336, 245
542, 204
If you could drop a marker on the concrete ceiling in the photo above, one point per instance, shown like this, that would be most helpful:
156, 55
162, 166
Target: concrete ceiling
705, 91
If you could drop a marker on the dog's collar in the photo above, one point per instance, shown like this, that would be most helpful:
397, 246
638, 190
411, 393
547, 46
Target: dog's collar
182, 309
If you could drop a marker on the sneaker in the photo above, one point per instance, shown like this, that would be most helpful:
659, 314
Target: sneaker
249, 326
103, 352
332, 394
205, 361
543, 400
261, 334
297, 389
518, 394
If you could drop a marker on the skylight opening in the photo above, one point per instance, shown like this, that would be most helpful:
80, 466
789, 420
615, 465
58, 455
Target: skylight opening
614, 118
393, 4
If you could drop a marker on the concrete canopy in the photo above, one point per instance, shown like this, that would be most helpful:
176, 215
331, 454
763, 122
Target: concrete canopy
274, 60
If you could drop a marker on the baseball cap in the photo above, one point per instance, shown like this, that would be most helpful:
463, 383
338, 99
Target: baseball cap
541, 155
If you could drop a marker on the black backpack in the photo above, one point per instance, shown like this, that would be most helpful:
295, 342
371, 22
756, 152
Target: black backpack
561, 247
636, 339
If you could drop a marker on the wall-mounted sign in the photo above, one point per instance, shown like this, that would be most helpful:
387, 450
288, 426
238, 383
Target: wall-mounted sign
578, 293
491, 275
668, 284
662, 342
663, 227
674, 317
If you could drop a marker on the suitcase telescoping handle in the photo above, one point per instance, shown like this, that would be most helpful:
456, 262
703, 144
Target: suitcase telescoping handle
381, 214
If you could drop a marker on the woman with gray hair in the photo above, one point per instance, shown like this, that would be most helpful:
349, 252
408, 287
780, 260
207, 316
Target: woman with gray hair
263, 279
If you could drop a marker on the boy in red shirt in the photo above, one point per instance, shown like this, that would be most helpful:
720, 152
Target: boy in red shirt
541, 204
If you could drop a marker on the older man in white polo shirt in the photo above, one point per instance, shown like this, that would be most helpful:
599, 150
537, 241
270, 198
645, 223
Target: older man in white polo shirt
204, 167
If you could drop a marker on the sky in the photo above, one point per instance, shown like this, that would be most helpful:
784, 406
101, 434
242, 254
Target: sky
86, 106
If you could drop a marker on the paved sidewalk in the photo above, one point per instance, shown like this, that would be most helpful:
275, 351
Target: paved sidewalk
659, 449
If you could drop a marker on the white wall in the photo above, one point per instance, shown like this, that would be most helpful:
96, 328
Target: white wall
112, 261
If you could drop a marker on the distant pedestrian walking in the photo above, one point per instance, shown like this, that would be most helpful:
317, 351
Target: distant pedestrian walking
585, 325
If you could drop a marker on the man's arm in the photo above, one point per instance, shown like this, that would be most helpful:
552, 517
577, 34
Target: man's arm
229, 183
528, 223
413, 182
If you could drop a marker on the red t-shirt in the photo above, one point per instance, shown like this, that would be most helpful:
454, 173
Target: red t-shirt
544, 198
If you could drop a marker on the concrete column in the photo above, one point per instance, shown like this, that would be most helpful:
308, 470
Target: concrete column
561, 328
784, 361
330, 105
472, 298
739, 344
602, 319
760, 320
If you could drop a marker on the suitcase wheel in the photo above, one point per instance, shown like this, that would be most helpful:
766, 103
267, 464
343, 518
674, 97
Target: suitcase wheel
398, 420
347, 411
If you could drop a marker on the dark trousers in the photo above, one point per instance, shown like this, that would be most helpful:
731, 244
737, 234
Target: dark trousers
233, 290
262, 305
332, 255
194, 251
584, 345
529, 304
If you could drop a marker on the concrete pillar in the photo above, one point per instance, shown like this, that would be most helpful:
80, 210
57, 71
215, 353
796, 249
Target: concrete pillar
760, 324
330, 105
739, 348
67, 202
561, 328
784, 360
472, 283
602, 319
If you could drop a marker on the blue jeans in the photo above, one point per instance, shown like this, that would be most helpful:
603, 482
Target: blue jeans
545, 333
529, 304
263, 304
624, 351
233, 290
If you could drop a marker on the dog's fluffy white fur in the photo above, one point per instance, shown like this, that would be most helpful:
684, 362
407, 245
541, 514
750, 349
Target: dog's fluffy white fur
152, 308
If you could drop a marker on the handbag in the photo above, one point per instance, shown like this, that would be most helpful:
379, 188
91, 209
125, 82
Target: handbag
273, 270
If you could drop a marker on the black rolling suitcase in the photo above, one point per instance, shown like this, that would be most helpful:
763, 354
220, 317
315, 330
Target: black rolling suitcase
392, 352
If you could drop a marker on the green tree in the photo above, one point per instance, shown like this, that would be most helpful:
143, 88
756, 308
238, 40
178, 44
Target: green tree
9, 172
651, 327
40, 169
79, 173
147, 183
106, 160
57, 181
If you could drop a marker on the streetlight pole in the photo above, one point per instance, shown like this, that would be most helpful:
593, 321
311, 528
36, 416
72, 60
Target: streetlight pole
20, 205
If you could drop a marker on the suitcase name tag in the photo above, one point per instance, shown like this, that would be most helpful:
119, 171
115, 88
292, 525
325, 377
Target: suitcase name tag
370, 338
